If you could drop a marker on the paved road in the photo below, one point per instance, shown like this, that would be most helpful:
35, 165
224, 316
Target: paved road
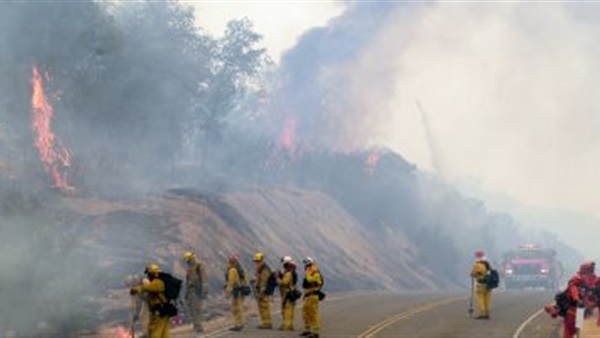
424, 315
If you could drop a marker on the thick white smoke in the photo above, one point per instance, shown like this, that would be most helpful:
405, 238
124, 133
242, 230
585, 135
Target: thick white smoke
508, 88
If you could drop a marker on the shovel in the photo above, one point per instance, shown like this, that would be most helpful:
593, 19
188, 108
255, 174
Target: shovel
471, 299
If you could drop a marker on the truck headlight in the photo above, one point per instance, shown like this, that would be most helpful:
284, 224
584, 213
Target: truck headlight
543, 270
509, 271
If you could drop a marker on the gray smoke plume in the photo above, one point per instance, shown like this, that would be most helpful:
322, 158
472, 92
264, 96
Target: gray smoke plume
133, 85
506, 87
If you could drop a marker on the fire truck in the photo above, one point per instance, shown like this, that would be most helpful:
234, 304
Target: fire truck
531, 265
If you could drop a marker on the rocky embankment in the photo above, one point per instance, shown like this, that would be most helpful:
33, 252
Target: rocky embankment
117, 238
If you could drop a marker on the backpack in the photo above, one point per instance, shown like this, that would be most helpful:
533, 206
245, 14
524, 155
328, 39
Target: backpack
172, 285
271, 283
243, 289
492, 279
172, 288
563, 302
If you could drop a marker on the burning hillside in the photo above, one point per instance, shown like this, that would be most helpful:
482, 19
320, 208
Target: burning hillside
131, 135
369, 230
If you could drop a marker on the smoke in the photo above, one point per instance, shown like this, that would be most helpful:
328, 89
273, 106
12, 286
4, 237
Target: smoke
436, 156
147, 101
129, 85
508, 90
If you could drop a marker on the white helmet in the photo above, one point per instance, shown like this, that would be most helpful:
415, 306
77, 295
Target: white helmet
286, 259
308, 261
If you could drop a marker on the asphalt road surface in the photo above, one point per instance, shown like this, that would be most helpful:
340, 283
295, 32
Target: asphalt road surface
515, 314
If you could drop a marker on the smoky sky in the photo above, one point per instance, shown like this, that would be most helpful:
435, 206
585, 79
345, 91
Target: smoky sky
508, 90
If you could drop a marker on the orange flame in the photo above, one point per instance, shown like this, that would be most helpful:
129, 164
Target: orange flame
122, 332
372, 161
287, 139
286, 146
55, 158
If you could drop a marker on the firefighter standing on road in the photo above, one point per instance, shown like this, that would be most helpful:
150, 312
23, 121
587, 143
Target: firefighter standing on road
287, 281
234, 281
312, 283
263, 300
155, 290
573, 294
196, 290
483, 294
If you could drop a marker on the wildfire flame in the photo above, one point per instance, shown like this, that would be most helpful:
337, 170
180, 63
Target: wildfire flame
287, 139
56, 159
372, 161
286, 146
122, 332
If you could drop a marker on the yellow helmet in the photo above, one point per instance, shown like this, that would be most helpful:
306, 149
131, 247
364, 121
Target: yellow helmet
188, 256
258, 257
153, 268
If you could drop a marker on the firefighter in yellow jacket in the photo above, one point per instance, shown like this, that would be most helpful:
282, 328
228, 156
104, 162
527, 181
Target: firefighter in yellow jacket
235, 279
287, 281
155, 292
196, 289
263, 300
312, 283
483, 294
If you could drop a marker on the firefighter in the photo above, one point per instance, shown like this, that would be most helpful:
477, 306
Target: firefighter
287, 281
158, 326
263, 300
196, 290
139, 308
483, 294
573, 294
588, 292
234, 280
312, 283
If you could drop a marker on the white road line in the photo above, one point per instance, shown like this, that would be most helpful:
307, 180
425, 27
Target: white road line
525, 323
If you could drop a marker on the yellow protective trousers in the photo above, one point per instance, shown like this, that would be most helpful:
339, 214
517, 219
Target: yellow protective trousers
237, 308
194, 305
158, 327
264, 309
287, 312
310, 314
484, 299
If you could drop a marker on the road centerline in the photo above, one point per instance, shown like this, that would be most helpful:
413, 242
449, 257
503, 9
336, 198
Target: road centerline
373, 330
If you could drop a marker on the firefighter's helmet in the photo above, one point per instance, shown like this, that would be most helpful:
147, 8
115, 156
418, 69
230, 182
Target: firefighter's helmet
188, 256
153, 268
259, 257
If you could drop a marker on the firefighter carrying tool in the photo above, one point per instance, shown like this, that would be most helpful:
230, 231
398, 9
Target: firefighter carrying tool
483, 293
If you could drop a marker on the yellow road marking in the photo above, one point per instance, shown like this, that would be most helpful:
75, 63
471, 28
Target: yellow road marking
373, 330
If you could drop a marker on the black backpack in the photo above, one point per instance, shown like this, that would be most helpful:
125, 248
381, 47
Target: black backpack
172, 285
172, 288
492, 279
271, 282
563, 303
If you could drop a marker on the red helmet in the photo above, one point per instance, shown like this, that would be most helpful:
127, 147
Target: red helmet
233, 260
479, 253
586, 268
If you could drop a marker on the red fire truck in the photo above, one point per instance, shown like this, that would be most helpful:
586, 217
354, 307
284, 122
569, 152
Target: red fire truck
531, 266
